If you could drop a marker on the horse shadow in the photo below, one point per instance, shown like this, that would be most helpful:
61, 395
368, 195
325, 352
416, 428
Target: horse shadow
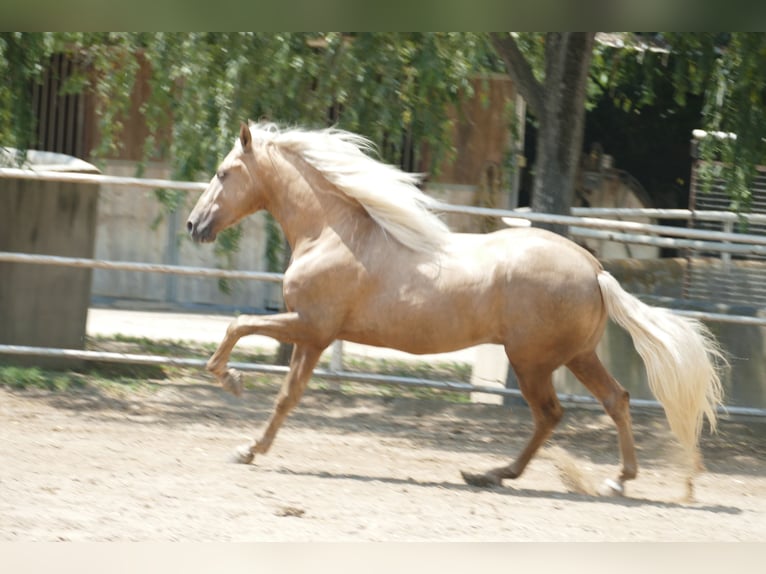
624, 501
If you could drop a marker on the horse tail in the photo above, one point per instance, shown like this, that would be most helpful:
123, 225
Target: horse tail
682, 358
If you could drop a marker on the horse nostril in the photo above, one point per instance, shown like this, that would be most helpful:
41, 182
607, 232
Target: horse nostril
189, 226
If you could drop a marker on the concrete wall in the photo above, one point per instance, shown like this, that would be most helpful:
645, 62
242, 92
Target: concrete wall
46, 305
132, 227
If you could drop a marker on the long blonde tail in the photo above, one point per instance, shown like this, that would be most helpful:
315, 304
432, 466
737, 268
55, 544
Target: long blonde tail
682, 358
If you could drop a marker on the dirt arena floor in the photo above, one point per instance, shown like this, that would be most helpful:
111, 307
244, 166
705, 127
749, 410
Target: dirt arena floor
152, 464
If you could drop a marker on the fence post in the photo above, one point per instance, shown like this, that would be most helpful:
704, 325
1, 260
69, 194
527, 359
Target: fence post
336, 360
47, 306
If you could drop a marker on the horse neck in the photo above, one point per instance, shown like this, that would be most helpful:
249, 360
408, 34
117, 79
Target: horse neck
303, 202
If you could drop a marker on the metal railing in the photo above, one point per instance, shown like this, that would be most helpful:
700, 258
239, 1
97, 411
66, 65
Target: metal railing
584, 222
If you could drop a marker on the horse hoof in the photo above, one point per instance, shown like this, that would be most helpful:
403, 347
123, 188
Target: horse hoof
611, 488
243, 455
481, 480
232, 382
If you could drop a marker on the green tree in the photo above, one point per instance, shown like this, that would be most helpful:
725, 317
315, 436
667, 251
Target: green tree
552, 76
554, 72
396, 88
22, 57
392, 87
730, 69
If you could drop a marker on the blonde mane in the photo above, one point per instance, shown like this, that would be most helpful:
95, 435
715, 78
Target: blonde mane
389, 195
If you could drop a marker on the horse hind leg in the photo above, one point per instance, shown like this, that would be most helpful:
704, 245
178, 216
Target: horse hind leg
537, 388
616, 402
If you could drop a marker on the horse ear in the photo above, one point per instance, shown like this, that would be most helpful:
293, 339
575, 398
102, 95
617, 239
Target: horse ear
244, 136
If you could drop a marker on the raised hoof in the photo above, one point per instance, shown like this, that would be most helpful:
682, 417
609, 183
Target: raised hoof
481, 480
611, 488
232, 382
243, 455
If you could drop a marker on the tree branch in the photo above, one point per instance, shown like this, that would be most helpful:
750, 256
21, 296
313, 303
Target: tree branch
520, 71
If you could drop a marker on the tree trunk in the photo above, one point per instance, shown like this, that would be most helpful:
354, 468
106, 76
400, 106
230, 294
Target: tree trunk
559, 105
562, 123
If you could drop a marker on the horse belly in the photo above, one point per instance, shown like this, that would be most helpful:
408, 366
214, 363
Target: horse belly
425, 321
414, 337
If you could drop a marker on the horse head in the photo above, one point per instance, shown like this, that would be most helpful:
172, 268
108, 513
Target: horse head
232, 193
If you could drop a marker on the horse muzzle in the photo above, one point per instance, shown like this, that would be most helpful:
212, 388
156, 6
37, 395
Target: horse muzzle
201, 231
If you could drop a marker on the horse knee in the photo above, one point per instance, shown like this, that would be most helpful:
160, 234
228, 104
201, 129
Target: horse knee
234, 329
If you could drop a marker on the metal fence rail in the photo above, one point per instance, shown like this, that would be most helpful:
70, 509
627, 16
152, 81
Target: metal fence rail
581, 217
331, 375
677, 237
98, 179
10, 257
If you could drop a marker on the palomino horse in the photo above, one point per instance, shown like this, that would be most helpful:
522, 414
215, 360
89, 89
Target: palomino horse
371, 264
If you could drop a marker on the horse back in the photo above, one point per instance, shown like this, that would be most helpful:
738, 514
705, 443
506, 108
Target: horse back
511, 285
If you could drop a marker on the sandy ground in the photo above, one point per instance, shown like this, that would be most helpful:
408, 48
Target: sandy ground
151, 464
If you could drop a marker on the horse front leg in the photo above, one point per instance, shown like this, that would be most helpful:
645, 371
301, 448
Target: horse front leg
283, 327
302, 363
